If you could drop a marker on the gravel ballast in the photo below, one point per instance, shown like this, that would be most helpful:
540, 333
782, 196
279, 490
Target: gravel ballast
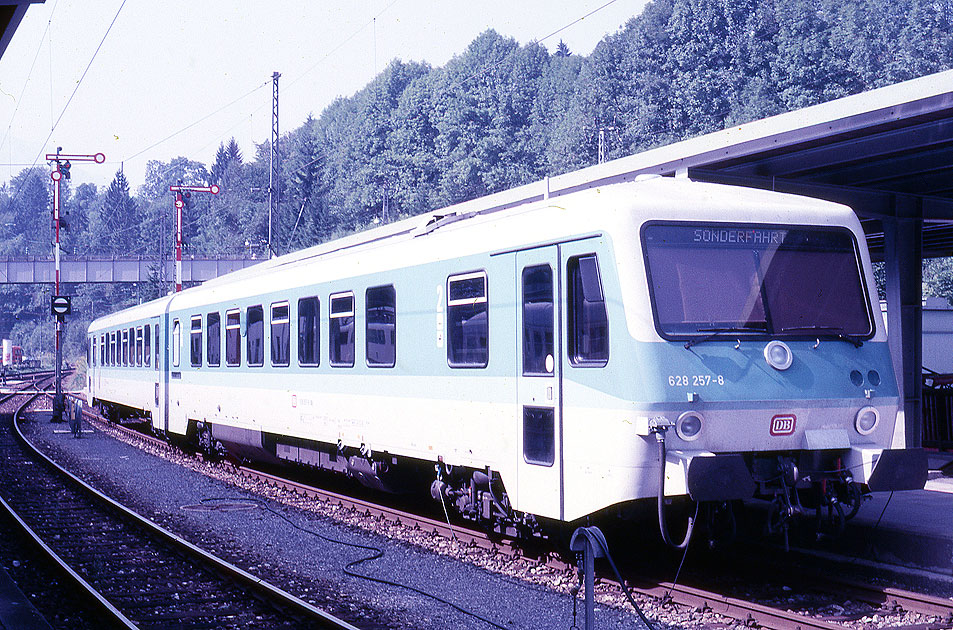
294, 551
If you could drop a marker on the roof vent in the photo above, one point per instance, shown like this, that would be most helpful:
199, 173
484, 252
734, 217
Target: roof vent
437, 221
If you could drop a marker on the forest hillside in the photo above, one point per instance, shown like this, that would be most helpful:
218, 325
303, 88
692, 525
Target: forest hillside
497, 115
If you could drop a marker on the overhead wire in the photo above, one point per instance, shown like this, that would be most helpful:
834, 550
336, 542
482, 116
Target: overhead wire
574, 22
29, 76
264, 84
75, 90
342, 44
486, 69
202, 119
50, 41
371, 22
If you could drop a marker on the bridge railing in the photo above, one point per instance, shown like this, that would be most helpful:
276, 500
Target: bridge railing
39, 270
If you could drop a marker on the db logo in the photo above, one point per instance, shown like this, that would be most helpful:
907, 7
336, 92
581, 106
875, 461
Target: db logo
783, 425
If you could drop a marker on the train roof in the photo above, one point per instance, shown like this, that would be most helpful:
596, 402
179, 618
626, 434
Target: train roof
659, 192
653, 197
153, 308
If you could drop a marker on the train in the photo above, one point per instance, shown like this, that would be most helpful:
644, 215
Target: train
12, 355
544, 361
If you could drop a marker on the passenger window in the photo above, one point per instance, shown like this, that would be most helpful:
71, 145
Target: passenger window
125, 348
255, 336
139, 346
588, 318
309, 333
539, 435
195, 342
132, 347
102, 350
381, 333
233, 338
147, 340
112, 348
342, 330
176, 342
467, 320
538, 325
156, 347
280, 334
213, 350
91, 345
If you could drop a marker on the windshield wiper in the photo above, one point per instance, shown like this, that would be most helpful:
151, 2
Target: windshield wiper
837, 333
715, 332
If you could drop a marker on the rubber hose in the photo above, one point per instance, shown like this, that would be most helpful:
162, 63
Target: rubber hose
663, 528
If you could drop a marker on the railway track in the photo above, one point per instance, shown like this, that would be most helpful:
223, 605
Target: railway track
137, 574
884, 600
750, 613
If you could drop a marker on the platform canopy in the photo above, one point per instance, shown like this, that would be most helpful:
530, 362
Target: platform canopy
887, 153
11, 13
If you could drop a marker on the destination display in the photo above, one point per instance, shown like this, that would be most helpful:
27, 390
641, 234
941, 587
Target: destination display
721, 235
772, 280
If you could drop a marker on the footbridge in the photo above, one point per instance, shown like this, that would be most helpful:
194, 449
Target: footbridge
40, 270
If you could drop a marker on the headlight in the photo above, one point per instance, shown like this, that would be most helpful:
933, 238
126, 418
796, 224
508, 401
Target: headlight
778, 355
866, 420
689, 426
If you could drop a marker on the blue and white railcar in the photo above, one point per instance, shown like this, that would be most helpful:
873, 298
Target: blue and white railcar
545, 357
125, 359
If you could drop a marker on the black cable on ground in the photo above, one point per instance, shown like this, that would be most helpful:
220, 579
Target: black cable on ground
376, 553
600, 542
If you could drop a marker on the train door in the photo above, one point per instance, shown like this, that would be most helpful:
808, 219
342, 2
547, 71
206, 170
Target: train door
152, 362
539, 382
103, 360
161, 355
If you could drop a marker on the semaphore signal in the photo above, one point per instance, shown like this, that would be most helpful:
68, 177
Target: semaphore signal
179, 189
60, 305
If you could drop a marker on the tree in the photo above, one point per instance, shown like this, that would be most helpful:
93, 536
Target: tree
118, 218
938, 278
81, 211
27, 214
156, 232
307, 221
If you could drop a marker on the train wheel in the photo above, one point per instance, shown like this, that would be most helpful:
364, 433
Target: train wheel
852, 498
204, 438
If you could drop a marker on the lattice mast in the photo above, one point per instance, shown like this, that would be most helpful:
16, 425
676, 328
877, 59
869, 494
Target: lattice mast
274, 185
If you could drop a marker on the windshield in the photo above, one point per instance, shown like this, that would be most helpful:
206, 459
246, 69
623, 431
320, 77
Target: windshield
772, 280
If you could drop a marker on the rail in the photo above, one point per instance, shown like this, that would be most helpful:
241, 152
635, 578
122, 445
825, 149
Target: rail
749, 613
230, 594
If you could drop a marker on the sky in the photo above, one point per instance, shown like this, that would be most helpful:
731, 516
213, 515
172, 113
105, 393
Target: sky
141, 80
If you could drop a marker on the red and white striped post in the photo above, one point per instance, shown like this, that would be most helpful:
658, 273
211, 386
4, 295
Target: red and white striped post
179, 205
63, 162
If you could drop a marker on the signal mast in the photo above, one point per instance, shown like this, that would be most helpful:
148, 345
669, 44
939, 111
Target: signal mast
61, 305
179, 205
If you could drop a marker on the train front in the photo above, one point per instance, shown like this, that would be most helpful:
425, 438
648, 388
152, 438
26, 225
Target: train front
775, 369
